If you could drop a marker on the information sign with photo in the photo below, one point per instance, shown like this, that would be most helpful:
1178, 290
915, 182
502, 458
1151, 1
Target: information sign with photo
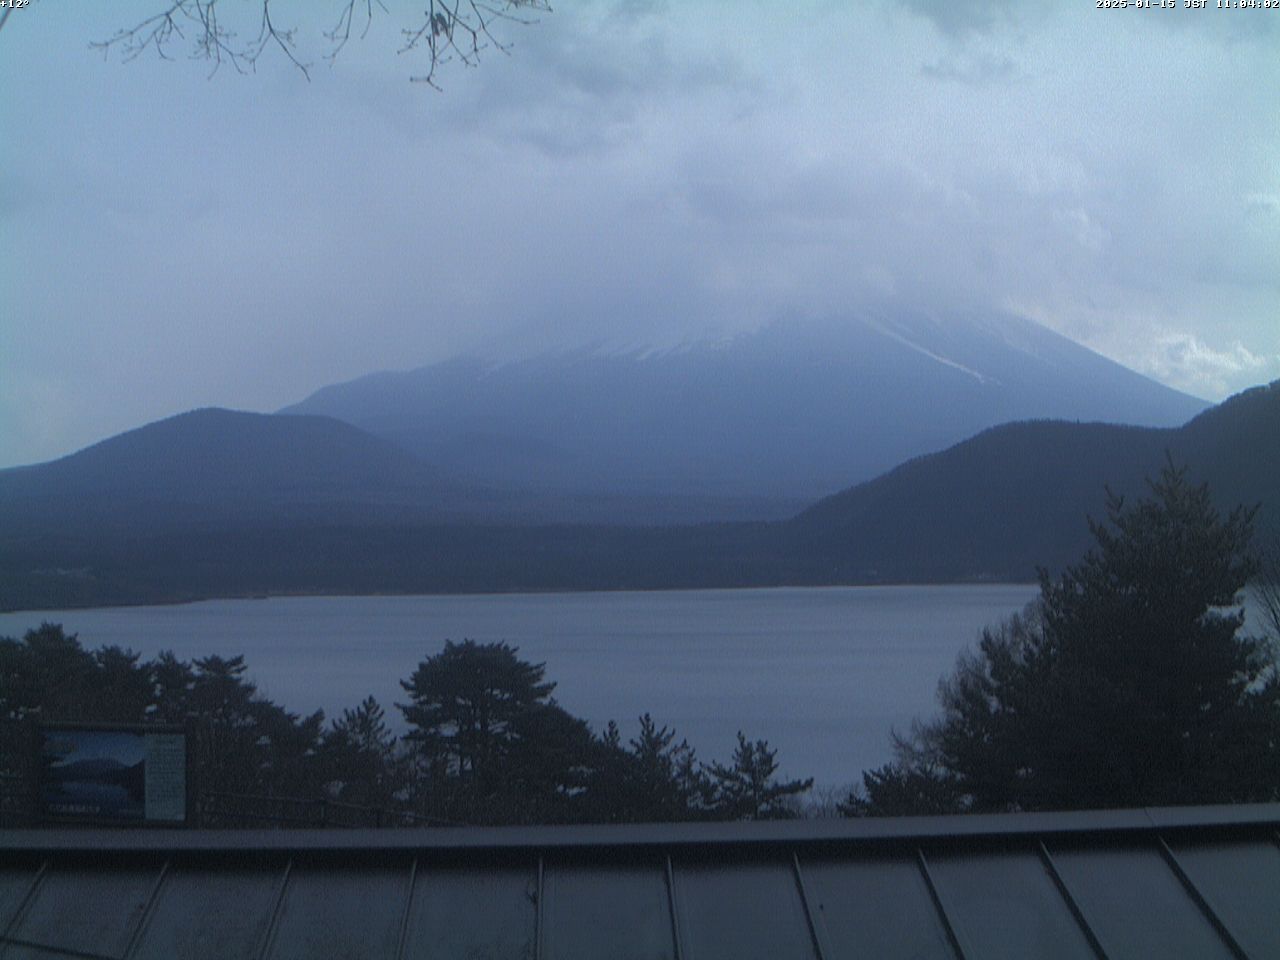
121, 773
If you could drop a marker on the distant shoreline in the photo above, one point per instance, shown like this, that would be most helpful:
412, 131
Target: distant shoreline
339, 595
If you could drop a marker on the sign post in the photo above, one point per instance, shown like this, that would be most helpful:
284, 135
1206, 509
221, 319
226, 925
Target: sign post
113, 774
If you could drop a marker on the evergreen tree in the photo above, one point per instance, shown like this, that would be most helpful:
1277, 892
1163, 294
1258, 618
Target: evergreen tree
653, 778
49, 674
668, 780
1266, 588
245, 743
748, 790
463, 703
548, 767
366, 731
358, 756
1129, 683
913, 785
489, 745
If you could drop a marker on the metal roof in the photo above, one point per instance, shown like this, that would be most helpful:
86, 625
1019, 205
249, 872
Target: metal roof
1175, 882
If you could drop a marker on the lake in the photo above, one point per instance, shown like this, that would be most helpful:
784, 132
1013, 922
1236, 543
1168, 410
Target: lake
822, 673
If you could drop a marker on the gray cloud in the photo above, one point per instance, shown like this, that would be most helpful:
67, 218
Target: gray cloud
960, 17
978, 70
632, 173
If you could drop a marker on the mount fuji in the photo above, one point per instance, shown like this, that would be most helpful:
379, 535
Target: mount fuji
750, 427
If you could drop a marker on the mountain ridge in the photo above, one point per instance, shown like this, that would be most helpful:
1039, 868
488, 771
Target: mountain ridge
993, 507
789, 411
1014, 497
216, 462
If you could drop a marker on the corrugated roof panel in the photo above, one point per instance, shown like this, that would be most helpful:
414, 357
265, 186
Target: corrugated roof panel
875, 907
469, 913
91, 908
341, 912
15, 884
1006, 905
598, 910
1136, 905
1006, 886
748, 911
1241, 881
204, 912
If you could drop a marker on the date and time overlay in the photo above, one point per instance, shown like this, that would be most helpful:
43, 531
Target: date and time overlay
1188, 5
6, 6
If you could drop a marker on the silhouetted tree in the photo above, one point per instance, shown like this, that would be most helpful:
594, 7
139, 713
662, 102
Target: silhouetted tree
669, 781
1127, 684
242, 743
48, 672
464, 700
914, 784
548, 766
359, 757
487, 744
748, 790
1266, 587
443, 30
174, 682
245, 743
487, 739
652, 778
45, 676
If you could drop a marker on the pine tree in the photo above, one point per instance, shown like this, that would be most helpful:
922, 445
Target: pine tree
464, 701
1129, 683
359, 754
748, 790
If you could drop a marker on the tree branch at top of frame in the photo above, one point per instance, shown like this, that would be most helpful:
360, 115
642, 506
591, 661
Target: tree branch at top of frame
446, 31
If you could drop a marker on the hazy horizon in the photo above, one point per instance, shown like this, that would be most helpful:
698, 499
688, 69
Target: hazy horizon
633, 173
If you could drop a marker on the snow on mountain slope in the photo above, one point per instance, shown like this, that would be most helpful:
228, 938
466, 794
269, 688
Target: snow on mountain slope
791, 411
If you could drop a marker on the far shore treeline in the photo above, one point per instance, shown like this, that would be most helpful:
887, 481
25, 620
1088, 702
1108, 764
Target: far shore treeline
217, 504
1129, 682
486, 742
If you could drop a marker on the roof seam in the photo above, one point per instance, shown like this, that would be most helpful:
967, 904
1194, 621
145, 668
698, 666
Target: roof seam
810, 919
675, 914
539, 917
269, 935
408, 908
1199, 899
54, 949
953, 936
1065, 892
27, 898
148, 911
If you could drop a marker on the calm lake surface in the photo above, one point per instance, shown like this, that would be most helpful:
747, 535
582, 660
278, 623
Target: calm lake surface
821, 673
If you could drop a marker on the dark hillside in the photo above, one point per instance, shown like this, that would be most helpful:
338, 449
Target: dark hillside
1016, 496
1235, 446
207, 465
992, 507
220, 504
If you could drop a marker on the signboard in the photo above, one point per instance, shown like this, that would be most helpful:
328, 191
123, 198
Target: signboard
120, 774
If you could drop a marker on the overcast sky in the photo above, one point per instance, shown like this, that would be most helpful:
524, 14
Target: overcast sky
632, 172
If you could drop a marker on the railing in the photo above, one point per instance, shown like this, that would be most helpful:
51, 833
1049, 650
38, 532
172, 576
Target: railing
252, 810
234, 810
17, 800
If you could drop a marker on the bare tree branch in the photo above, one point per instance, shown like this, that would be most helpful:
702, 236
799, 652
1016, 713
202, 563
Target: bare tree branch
454, 30
341, 33
157, 32
1266, 588
267, 32
449, 30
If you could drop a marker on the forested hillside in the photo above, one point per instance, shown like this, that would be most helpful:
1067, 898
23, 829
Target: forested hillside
96, 528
